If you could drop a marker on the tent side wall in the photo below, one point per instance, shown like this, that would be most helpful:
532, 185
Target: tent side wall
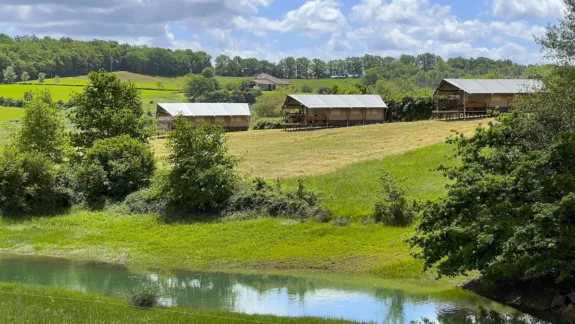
350, 116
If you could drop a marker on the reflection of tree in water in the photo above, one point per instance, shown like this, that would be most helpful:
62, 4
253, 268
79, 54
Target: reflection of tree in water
481, 316
394, 300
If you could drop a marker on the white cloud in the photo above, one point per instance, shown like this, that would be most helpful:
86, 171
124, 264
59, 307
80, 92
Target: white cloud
315, 17
452, 30
131, 18
544, 9
407, 12
518, 29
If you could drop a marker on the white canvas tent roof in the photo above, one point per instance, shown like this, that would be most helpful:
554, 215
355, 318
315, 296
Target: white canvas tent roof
206, 109
494, 86
338, 101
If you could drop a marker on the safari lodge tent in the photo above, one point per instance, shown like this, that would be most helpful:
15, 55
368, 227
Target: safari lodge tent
231, 116
464, 98
305, 111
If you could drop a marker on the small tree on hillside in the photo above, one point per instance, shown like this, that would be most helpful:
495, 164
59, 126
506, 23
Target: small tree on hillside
9, 75
24, 77
108, 108
196, 86
57, 79
160, 84
41, 77
203, 174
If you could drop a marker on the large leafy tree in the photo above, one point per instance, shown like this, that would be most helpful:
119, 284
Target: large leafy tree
42, 131
510, 212
202, 175
108, 107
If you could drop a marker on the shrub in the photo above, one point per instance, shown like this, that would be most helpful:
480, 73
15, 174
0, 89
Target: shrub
323, 90
145, 295
149, 200
259, 198
114, 168
393, 208
203, 175
268, 123
269, 105
410, 109
322, 216
306, 88
30, 182
341, 221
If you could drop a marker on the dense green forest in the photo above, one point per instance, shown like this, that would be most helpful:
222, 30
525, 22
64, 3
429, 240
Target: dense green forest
67, 57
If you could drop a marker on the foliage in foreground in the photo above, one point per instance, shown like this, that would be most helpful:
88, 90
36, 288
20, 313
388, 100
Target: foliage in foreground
32, 175
510, 213
202, 176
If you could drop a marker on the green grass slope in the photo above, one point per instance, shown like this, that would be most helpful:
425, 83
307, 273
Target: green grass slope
352, 191
30, 304
144, 240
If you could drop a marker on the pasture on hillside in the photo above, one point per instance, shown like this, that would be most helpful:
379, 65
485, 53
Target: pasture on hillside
151, 82
276, 154
9, 113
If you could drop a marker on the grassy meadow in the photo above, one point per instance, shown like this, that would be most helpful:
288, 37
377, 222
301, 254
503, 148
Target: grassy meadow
9, 113
31, 304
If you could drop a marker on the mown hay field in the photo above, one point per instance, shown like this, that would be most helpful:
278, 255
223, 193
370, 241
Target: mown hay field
276, 154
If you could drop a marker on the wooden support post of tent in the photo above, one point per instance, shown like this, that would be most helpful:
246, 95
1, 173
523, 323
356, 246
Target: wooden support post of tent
488, 103
327, 118
348, 114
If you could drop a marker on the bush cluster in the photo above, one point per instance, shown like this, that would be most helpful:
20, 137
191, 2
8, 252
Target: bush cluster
145, 295
31, 183
410, 109
260, 198
393, 208
115, 167
9, 102
268, 123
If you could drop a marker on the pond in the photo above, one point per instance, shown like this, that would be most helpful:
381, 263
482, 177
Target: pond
320, 295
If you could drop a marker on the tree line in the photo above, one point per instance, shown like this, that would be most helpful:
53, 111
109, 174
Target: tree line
29, 56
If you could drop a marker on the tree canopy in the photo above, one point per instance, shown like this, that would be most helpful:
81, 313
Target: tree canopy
108, 107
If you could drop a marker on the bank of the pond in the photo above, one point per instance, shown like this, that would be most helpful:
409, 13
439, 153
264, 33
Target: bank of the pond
255, 244
540, 296
31, 304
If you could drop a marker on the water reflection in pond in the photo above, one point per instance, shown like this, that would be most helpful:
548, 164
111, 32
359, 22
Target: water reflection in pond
361, 299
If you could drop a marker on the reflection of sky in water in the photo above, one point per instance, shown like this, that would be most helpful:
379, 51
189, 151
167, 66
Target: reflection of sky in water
356, 306
252, 294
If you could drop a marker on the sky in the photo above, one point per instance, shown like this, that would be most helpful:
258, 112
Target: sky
274, 29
